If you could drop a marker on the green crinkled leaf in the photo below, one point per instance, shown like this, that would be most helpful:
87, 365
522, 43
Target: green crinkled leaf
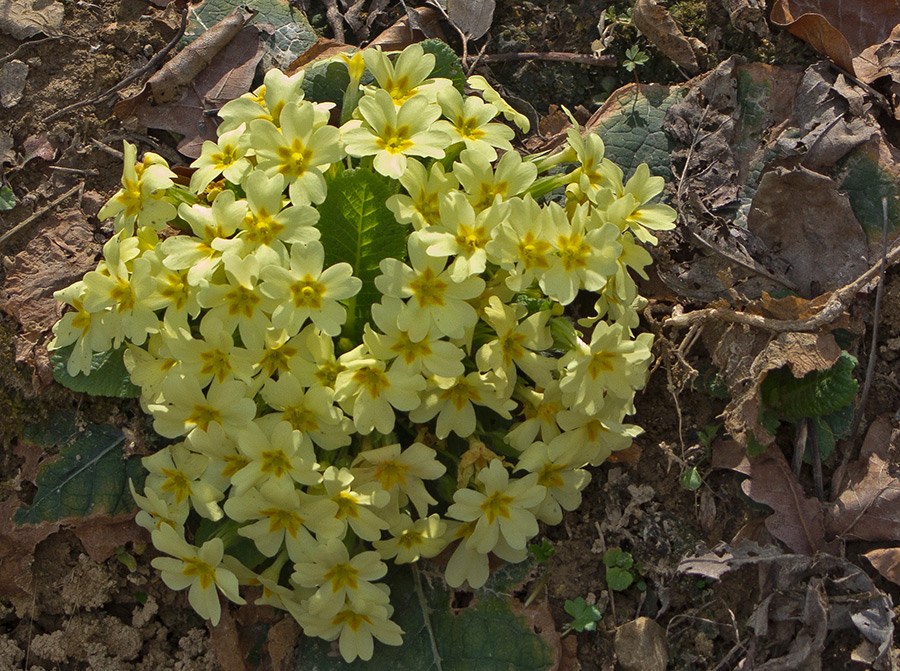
89, 475
485, 635
108, 376
359, 229
7, 199
631, 128
325, 82
291, 36
816, 395
446, 62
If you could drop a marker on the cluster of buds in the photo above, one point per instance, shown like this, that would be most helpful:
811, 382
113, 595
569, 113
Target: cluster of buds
461, 414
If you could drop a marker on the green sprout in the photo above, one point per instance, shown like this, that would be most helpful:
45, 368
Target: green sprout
585, 616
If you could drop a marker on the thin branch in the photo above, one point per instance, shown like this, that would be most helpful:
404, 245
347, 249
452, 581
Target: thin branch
32, 43
37, 215
832, 309
151, 65
560, 56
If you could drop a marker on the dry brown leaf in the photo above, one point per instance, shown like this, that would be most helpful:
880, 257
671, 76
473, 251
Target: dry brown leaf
631, 455
52, 260
797, 521
658, 26
101, 534
167, 84
23, 19
887, 562
400, 35
801, 215
17, 549
12, 82
869, 507
744, 356
322, 48
840, 30
280, 644
193, 113
226, 641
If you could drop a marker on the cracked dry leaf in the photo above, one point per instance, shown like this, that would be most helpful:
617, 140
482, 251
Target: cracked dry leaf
869, 507
797, 521
23, 19
658, 26
887, 562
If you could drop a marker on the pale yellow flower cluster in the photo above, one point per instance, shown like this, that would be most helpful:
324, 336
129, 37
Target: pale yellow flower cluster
462, 416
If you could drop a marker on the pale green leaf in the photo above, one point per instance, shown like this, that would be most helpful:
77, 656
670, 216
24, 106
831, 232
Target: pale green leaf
108, 376
7, 199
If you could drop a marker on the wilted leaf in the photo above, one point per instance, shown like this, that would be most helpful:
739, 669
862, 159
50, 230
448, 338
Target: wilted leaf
840, 30
724, 558
88, 475
658, 26
405, 32
492, 633
358, 228
797, 521
37, 146
869, 506
108, 376
472, 17
12, 82
17, 549
630, 123
887, 562
193, 113
22, 19
290, 34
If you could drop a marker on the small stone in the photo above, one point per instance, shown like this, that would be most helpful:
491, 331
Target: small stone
12, 83
641, 646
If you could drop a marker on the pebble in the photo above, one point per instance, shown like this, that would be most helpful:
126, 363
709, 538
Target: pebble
641, 646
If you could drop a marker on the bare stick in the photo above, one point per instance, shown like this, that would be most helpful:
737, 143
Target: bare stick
37, 215
75, 171
560, 56
151, 65
109, 150
24, 45
832, 309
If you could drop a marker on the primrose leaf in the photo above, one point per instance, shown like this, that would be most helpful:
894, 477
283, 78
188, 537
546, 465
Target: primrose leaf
630, 123
486, 634
817, 394
90, 473
359, 229
7, 199
446, 62
108, 376
584, 616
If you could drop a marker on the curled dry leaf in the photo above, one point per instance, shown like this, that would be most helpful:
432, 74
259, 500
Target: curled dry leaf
403, 33
869, 507
887, 562
658, 26
797, 521
23, 19
842, 31
166, 84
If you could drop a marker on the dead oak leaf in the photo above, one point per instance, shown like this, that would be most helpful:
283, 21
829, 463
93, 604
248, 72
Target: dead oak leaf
869, 507
887, 562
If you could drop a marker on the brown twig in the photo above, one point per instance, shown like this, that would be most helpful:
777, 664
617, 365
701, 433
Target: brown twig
37, 215
560, 56
75, 171
151, 65
107, 149
832, 309
22, 46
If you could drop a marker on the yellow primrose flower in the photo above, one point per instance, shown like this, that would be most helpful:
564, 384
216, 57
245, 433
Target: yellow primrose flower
354, 501
226, 157
401, 471
522, 245
391, 134
89, 331
563, 480
435, 299
199, 569
466, 564
469, 121
283, 517
453, 401
156, 511
310, 410
483, 183
213, 356
356, 625
480, 84
633, 211
276, 454
177, 474
539, 410
421, 207
503, 508
184, 407
224, 459
411, 540
266, 102
400, 79
301, 151
306, 291
590, 437
613, 363
140, 200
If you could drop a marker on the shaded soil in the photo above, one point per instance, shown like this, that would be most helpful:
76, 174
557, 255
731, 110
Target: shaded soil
117, 615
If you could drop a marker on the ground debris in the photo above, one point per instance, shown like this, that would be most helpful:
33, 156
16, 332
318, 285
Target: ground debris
641, 646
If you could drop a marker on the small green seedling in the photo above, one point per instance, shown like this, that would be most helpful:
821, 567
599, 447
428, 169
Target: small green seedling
690, 479
622, 571
585, 616
634, 59
542, 551
126, 558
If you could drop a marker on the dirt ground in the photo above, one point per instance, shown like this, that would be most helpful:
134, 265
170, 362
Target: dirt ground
113, 615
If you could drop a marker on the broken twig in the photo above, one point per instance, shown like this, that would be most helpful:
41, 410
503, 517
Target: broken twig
37, 215
559, 56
